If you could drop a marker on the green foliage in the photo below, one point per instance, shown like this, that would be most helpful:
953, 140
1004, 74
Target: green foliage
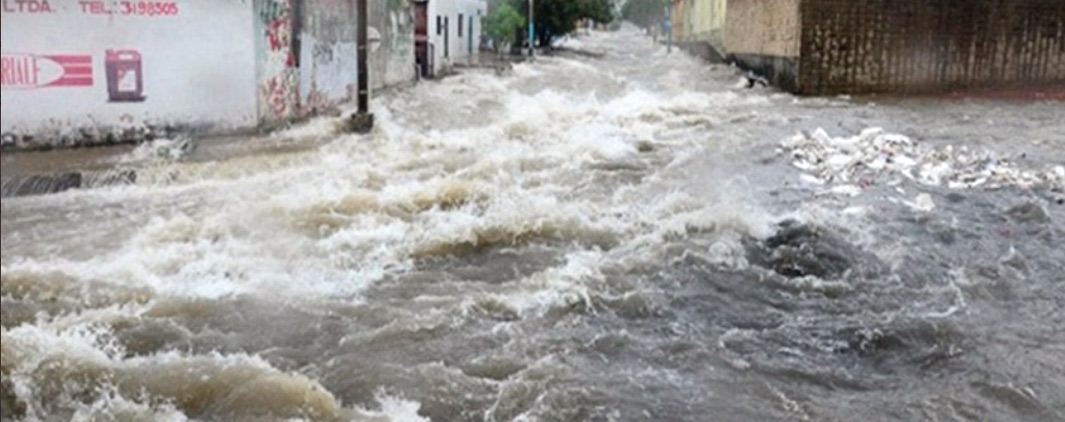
644, 13
600, 11
502, 23
559, 17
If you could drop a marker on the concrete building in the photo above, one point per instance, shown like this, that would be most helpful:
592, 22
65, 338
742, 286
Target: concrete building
97, 72
899, 46
453, 33
702, 27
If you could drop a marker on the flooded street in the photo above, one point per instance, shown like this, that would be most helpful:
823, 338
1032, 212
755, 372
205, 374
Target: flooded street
614, 236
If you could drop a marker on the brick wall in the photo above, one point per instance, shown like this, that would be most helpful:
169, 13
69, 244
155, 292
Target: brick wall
909, 46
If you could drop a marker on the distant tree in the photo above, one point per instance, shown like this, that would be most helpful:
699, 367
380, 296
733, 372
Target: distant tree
599, 11
644, 13
554, 18
501, 24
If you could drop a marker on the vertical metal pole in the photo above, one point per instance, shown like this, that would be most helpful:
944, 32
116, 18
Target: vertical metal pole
362, 121
364, 76
532, 27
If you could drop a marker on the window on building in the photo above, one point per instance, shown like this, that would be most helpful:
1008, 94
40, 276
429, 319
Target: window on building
439, 25
460, 24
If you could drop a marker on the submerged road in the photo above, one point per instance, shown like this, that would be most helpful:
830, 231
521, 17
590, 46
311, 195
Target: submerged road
628, 235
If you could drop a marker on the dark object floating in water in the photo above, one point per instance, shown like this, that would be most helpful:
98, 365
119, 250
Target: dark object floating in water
800, 250
1028, 212
755, 79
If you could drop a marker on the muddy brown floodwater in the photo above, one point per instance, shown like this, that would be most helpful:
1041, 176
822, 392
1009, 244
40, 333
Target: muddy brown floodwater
614, 237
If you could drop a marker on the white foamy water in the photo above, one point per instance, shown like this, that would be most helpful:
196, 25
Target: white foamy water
329, 223
486, 253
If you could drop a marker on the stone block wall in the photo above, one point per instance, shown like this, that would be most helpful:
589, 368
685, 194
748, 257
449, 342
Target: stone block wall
826, 47
915, 46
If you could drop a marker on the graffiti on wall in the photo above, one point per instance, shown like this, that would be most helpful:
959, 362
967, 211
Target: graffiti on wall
323, 58
393, 60
307, 53
277, 92
328, 66
276, 20
274, 95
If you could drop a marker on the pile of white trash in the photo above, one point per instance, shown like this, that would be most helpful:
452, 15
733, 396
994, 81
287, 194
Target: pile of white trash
849, 165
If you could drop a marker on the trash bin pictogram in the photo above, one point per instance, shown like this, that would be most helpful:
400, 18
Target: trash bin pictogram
125, 76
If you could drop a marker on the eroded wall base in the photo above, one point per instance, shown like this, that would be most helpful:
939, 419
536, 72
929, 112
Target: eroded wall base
780, 71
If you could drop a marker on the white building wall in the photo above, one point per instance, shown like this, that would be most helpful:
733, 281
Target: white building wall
444, 28
196, 61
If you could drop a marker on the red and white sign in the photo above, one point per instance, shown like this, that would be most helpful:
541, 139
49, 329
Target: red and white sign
31, 71
115, 63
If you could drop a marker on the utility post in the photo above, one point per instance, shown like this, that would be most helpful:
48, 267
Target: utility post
362, 120
532, 28
668, 24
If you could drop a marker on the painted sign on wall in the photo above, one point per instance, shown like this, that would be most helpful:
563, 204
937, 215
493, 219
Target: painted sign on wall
30, 71
72, 65
141, 8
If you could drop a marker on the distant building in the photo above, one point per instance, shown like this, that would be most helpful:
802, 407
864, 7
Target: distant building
453, 33
870, 46
701, 27
899, 46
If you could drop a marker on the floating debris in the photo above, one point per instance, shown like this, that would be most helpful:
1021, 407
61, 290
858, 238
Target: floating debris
755, 79
847, 164
922, 203
160, 150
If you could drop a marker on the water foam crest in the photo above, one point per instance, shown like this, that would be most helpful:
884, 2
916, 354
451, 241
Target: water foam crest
98, 379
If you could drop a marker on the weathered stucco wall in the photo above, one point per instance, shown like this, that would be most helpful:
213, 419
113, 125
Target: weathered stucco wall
392, 56
708, 22
328, 54
763, 27
447, 45
91, 72
308, 53
921, 46
703, 28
